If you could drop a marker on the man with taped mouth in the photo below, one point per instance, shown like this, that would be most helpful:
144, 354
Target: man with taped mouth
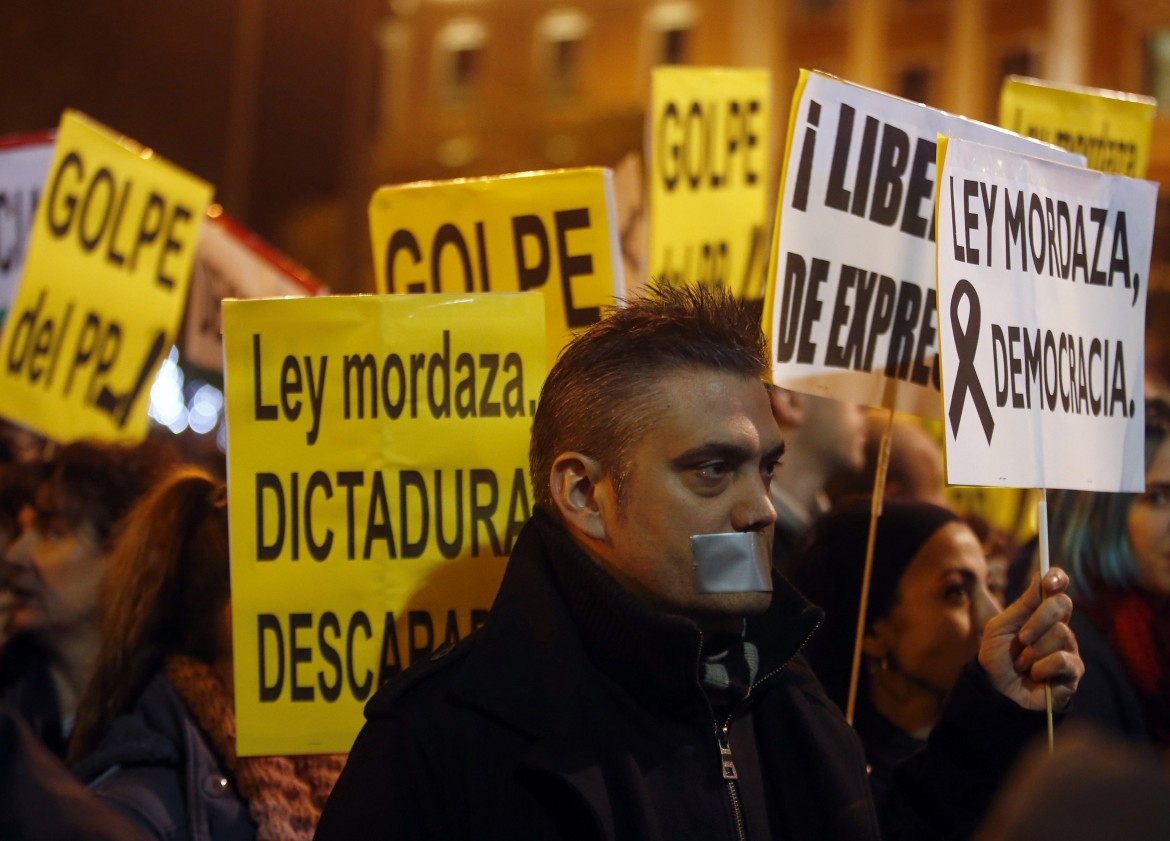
640, 674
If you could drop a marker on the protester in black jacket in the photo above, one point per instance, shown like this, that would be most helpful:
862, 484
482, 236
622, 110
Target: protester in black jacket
616, 690
41, 801
578, 712
1116, 547
156, 728
54, 569
928, 605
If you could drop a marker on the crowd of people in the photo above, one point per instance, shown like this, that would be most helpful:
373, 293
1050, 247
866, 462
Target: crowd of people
116, 706
608, 696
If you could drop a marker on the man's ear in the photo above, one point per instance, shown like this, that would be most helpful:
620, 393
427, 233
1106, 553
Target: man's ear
577, 490
788, 407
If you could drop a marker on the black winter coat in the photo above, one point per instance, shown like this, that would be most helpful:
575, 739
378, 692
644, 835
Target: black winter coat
1106, 697
155, 767
26, 688
41, 801
576, 712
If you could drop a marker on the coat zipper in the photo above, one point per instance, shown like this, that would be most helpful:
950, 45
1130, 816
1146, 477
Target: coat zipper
730, 775
723, 739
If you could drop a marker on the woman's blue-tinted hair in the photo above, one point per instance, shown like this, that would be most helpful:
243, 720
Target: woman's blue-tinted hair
1090, 531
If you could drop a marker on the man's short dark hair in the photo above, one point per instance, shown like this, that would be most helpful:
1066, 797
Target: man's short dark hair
598, 399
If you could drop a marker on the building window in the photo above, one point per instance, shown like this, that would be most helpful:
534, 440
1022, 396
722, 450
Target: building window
1157, 68
460, 58
561, 36
1161, 250
1018, 63
671, 25
391, 43
674, 46
917, 84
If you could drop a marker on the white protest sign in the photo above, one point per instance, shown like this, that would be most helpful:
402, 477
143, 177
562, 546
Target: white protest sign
232, 262
629, 194
24, 163
1042, 278
853, 313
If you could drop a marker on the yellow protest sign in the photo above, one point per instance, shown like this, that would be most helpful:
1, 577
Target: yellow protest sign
553, 232
1113, 130
708, 147
377, 480
104, 286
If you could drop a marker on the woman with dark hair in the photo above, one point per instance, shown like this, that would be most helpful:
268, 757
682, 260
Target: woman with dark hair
928, 604
53, 571
155, 734
1116, 549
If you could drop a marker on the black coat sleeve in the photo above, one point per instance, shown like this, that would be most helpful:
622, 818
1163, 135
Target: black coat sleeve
944, 790
40, 799
387, 789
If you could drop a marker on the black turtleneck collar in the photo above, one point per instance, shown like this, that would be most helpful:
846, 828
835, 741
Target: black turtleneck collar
557, 610
655, 655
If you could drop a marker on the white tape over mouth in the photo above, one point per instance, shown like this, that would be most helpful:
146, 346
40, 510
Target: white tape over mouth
732, 562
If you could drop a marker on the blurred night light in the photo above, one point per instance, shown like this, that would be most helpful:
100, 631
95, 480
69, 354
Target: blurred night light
202, 413
204, 408
166, 395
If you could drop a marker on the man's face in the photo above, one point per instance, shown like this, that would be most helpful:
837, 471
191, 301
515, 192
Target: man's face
702, 466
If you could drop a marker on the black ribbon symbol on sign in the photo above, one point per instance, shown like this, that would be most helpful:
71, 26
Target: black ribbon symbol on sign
966, 377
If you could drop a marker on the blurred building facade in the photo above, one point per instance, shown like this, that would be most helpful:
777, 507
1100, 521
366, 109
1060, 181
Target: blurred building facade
481, 87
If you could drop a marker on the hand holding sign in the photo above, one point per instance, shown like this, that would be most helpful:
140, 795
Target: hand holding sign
1051, 332
1029, 649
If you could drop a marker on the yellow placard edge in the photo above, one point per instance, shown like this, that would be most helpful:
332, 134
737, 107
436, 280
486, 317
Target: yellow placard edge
940, 157
1068, 87
134, 147
484, 179
773, 267
617, 267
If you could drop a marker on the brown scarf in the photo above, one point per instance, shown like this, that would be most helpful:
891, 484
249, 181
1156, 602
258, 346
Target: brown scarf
285, 794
